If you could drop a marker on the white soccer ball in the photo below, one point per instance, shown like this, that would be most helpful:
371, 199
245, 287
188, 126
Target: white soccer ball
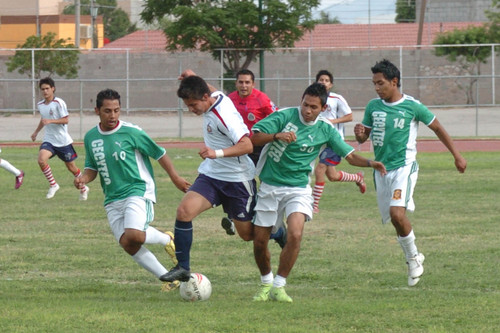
198, 288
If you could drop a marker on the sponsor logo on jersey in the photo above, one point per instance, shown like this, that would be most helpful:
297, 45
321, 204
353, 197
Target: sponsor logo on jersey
100, 160
378, 132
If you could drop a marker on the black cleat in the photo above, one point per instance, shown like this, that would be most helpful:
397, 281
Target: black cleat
228, 225
176, 273
280, 237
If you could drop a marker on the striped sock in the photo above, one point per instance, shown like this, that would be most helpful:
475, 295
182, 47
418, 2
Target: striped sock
349, 177
317, 192
47, 171
183, 238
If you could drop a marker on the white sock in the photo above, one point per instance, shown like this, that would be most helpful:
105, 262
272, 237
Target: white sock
268, 278
155, 236
279, 281
408, 245
147, 260
9, 167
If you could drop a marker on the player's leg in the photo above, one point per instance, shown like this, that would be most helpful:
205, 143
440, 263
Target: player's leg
166, 239
68, 155
262, 257
332, 160
15, 171
44, 154
319, 184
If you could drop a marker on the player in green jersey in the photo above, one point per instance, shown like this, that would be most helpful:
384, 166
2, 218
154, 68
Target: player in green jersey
391, 122
293, 139
119, 152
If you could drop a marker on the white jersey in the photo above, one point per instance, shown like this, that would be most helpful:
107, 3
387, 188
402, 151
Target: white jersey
223, 127
336, 107
55, 134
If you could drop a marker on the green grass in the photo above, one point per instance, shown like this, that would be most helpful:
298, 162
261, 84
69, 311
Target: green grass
62, 271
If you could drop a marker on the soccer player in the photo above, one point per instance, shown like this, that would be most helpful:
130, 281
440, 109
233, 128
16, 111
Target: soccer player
253, 105
391, 121
13, 170
337, 112
226, 175
56, 140
119, 152
293, 139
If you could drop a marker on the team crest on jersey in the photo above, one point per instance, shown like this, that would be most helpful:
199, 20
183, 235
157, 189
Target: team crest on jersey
396, 195
51, 112
209, 128
251, 116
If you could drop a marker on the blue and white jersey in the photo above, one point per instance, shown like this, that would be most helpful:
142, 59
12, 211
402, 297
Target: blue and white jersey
223, 127
56, 134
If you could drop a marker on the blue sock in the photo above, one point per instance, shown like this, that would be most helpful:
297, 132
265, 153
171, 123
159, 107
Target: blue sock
183, 234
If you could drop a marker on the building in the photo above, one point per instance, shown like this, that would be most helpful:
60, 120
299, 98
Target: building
454, 10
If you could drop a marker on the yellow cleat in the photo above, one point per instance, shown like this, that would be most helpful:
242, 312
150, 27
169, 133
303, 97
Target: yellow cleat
169, 286
170, 248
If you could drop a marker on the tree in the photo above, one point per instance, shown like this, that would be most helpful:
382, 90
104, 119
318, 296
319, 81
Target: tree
116, 22
238, 27
469, 58
494, 21
405, 11
64, 63
324, 18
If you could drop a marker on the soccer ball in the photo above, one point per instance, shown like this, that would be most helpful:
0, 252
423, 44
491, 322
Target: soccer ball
198, 288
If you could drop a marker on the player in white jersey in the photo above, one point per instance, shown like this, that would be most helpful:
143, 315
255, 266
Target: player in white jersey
337, 112
226, 175
19, 174
293, 138
120, 153
56, 140
391, 122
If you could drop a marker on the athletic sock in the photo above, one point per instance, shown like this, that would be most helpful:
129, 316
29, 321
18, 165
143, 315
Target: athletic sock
349, 177
47, 171
268, 278
9, 167
408, 245
183, 239
78, 173
317, 192
147, 260
155, 236
279, 281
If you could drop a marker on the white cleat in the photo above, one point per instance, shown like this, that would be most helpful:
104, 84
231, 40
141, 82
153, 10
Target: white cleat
52, 191
84, 193
415, 269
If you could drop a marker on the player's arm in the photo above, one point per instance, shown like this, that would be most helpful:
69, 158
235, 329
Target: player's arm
360, 161
60, 121
261, 138
88, 176
168, 166
37, 130
242, 147
361, 132
344, 119
444, 137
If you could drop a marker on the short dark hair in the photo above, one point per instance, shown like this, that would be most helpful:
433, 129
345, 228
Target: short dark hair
388, 69
47, 80
106, 94
317, 90
245, 72
193, 87
324, 72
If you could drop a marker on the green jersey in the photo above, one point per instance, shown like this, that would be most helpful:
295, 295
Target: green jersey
121, 157
291, 164
394, 129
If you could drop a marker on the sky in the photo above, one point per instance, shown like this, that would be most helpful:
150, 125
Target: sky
359, 11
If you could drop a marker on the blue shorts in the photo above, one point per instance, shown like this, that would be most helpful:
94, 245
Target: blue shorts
329, 157
237, 198
66, 153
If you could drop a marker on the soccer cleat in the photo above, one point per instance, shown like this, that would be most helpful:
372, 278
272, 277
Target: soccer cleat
280, 236
228, 225
84, 193
170, 248
279, 294
415, 269
315, 210
176, 273
52, 191
169, 286
263, 294
19, 180
361, 184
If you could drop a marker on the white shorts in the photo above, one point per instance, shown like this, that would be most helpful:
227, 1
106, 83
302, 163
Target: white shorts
130, 213
395, 189
277, 202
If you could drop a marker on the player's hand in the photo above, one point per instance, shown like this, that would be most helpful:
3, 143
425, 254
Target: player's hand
359, 130
186, 73
287, 137
460, 164
78, 182
206, 152
33, 136
379, 166
181, 184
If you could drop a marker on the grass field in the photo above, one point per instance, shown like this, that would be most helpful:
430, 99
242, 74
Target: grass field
62, 271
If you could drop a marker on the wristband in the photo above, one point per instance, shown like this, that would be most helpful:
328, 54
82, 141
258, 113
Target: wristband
219, 153
369, 163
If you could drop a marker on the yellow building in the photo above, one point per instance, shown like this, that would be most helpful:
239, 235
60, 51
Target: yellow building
14, 30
